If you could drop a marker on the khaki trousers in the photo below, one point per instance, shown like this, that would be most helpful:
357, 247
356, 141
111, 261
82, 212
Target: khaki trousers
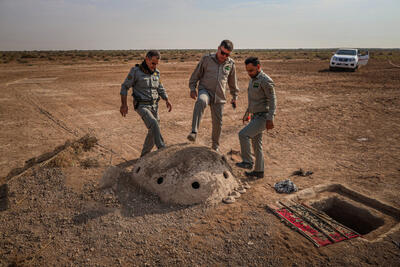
203, 100
149, 114
253, 131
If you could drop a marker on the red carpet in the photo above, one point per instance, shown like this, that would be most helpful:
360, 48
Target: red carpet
314, 225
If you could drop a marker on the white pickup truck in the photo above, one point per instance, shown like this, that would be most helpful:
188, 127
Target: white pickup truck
347, 58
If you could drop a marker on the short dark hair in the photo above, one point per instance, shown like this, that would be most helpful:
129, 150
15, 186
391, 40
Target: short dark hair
227, 45
252, 60
153, 53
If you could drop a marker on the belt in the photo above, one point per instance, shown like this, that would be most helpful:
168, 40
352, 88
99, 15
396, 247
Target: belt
147, 102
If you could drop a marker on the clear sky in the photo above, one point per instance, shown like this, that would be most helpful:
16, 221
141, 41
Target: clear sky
180, 24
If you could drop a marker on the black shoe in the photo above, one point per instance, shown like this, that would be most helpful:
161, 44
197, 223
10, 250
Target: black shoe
254, 174
192, 137
245, 165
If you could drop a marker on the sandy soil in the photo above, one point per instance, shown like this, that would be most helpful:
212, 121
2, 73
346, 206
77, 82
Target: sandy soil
343, 126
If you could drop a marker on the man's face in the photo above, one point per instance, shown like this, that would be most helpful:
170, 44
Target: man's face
222, 54
152, 63
253, 70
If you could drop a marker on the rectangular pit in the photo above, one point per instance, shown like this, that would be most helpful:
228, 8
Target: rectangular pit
367, 216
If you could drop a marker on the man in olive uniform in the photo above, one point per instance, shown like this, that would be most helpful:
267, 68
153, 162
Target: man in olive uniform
212, 75
262, 105
147, 90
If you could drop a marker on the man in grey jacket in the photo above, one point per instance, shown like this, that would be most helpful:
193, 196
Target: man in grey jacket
212, 75
262, 105
146, 91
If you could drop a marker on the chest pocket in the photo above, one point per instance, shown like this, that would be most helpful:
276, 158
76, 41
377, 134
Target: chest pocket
144, 82
155, 81
225, 72
255, 89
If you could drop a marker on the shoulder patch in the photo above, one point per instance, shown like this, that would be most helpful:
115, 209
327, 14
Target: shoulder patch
228, 68
256, 84
130, 77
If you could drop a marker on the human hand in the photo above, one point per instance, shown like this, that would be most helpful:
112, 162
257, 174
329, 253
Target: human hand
246, 117
124, 110
233, 102
269, 125
169, 106
193, 94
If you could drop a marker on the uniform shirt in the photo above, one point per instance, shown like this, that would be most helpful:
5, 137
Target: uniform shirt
261, 95
213, 77
146, 86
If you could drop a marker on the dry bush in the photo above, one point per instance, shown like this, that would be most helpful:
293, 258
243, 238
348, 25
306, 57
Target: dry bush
88, 141
89, 163
66, 158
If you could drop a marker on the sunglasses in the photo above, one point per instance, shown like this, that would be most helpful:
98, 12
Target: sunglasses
224, 53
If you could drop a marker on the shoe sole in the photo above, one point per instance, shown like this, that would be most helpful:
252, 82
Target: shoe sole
247, 168
191, 139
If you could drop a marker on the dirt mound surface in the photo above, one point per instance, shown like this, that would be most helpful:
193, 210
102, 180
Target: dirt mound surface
185, 174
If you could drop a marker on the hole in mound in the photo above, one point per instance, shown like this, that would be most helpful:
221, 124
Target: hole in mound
224, 160
196, 185
356, 218
226, 175
160, 180
137, 169
3, 197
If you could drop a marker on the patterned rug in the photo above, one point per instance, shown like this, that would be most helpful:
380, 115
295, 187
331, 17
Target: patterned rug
313, 224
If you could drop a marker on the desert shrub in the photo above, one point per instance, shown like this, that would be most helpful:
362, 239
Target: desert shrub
22, 61
89, 163
321, 56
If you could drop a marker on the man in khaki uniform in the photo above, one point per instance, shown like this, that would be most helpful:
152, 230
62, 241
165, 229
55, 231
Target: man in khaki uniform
262, 105
212, 75
147, 90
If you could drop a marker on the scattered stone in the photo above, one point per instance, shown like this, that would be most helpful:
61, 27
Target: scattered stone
235, 194
246, 185
240, 190
229, 200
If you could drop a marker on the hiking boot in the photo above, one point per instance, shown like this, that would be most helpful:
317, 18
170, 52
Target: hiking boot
192, 137
254, 174
245, 165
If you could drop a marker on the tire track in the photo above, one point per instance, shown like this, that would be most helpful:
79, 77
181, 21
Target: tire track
59, 122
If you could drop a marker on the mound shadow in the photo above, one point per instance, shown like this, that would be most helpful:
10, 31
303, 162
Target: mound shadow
136, 201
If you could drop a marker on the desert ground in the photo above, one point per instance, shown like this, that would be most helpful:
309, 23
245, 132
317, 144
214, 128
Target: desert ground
343, 126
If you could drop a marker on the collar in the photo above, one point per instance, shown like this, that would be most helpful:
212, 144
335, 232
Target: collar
145, 68
258, 75
214, 56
